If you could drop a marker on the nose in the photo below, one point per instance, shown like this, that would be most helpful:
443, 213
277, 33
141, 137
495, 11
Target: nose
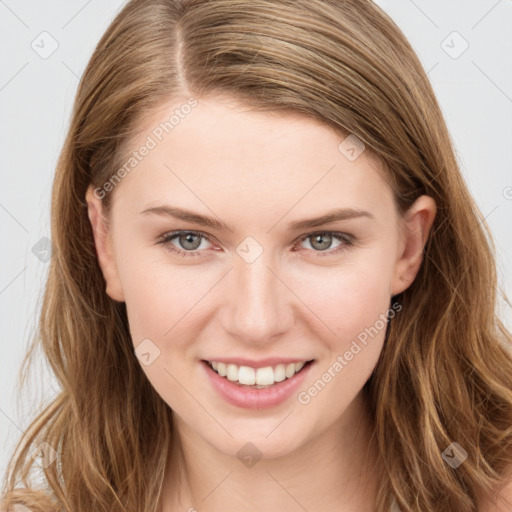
259, 306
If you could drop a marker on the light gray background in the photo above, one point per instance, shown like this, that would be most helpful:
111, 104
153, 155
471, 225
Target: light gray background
36, 95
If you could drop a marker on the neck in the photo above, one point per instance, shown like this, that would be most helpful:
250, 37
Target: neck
336, 470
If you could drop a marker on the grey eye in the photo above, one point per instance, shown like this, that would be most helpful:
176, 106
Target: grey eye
187, 241
321, 241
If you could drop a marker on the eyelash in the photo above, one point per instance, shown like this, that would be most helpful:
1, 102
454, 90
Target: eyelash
347, 242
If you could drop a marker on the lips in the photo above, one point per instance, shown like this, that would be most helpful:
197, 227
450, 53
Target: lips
256, 396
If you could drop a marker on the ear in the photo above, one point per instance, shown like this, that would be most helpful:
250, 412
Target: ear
102, 242
415, 228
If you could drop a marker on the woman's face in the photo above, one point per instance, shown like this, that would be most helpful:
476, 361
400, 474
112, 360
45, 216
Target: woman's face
262, 284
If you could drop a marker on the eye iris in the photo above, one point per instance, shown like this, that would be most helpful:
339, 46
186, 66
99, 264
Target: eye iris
323, 245
186, 238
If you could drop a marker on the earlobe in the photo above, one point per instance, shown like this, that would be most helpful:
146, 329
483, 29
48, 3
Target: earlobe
102, 243
417, 223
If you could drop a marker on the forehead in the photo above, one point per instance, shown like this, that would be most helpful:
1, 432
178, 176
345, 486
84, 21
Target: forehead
223, 154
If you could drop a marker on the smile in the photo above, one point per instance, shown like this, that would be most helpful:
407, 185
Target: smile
256, 377
256, 388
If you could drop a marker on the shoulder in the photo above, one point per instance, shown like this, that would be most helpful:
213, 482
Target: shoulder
501, 502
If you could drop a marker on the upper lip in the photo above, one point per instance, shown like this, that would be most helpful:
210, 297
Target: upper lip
269, 361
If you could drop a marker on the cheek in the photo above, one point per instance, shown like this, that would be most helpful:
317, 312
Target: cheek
164, 306
355, 306
350, 296
161, 300
353, 301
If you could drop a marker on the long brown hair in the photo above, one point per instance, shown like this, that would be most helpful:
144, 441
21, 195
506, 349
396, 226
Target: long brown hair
445, 373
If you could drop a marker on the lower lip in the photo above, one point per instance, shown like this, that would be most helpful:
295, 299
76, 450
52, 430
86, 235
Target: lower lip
253, 398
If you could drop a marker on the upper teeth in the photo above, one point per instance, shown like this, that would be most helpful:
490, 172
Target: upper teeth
256, 376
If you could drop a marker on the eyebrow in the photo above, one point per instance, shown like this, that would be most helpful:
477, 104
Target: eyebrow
212, 222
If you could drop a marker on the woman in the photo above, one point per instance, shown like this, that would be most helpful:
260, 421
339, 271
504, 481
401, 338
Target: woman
272, 289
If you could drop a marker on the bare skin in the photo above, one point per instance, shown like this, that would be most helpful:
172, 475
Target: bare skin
258, 173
